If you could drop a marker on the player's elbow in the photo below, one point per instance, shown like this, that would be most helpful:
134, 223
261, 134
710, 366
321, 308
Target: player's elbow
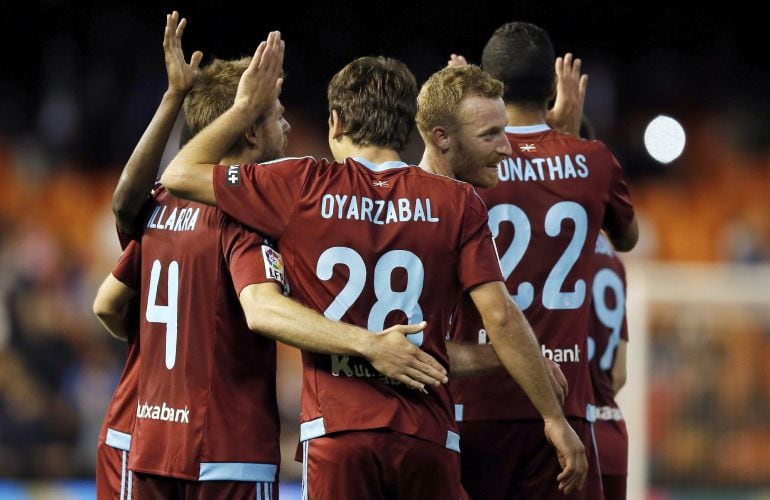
172, 178
109, 317
502, 317
263, 314
627, 241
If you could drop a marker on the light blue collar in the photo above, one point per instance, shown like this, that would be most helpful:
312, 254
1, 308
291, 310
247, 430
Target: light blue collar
528, 129
382, 166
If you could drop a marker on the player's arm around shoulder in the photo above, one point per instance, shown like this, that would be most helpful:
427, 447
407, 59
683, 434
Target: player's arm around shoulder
270, 313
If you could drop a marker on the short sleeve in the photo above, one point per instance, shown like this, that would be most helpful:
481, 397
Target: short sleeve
128, 269
261, 196
479, 263
619, 212
249, 259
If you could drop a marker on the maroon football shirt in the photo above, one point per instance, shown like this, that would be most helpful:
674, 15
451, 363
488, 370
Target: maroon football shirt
375, 246
116, 428
607, 328
206, 407
555, 193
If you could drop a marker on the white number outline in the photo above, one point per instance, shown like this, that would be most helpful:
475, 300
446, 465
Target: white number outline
553, 298
613, 319
388, 300
167, 314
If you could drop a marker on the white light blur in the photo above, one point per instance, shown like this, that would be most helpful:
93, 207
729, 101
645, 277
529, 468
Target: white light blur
664, 139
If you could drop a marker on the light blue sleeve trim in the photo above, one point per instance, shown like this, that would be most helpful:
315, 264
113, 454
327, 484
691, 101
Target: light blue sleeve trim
528, 129
237, 471
312, 429
453, 441
591, 413
459, 412
117, 439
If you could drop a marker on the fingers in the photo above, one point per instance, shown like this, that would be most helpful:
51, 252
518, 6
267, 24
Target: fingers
195, 59
411, 329
456, 60
582, 87
573, 475
180, 28
559, 68
436, 369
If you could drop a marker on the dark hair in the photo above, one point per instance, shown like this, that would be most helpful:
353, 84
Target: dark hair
376, 99
521, 55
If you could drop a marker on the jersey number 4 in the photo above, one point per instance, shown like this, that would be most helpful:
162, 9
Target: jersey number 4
553, 297
165, 314
387, 299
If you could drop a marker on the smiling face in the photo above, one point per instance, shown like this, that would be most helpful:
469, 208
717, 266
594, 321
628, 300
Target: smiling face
479, 142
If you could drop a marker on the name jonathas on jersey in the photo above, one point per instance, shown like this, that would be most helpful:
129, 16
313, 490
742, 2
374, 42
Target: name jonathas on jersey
183, 220
552, 168
377, 211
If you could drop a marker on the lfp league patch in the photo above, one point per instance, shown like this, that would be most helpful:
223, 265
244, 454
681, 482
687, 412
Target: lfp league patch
233, 177
274, 265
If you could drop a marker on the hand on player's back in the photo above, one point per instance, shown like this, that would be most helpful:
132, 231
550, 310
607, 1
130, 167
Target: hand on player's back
393, 355
571, 454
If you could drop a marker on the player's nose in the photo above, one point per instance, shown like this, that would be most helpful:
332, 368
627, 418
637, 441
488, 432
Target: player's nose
504, 146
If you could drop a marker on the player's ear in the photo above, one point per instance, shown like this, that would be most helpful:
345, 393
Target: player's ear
336, 128
251, 136
441, 138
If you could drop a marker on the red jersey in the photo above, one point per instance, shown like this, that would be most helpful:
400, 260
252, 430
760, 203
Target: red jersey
206, 406
606, 329
116, 428
374, 246
555, 193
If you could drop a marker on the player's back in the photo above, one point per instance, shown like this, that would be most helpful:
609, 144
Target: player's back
206, 403
555, 193
607, 325
375, 246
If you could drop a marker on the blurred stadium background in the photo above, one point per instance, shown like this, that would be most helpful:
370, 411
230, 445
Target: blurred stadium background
82, 79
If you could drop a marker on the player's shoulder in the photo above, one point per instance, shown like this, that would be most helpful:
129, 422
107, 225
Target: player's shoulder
293, 161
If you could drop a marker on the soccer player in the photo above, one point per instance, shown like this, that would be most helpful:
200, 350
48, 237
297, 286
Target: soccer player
554, 194
203, 372
114, 309
113, 479
608, 337
373, 241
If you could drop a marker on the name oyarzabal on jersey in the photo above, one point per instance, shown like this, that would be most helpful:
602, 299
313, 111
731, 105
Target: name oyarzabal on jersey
549, 168
363, 208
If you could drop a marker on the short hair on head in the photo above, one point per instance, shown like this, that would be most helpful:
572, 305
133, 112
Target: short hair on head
376, 100
438, 104
212, 94
521, 55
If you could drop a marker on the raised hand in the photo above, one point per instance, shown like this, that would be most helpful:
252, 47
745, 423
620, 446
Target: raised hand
261, 83
570, 96
570, 452
181, 75
391, 354
456, 60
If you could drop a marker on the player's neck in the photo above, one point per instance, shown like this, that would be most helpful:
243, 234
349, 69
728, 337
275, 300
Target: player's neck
432, 161
374, 154
520, 115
